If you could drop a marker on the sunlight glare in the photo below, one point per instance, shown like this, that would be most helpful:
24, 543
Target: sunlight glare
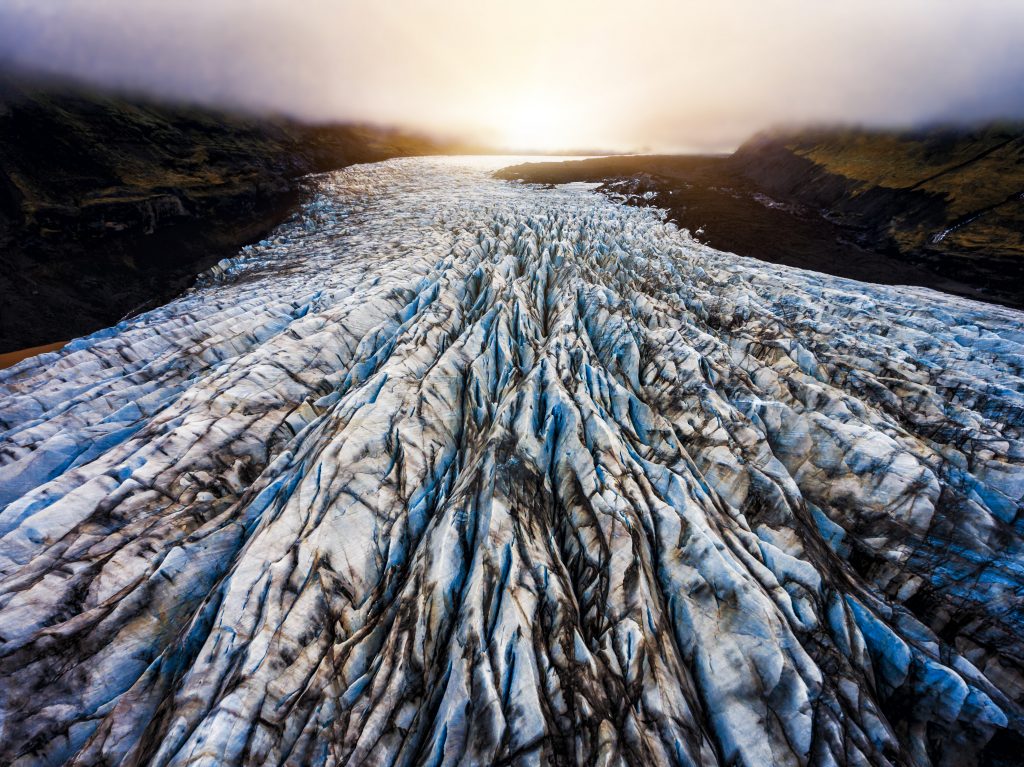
537, 124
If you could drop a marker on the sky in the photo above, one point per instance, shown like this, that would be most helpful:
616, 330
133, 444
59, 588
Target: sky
636, 75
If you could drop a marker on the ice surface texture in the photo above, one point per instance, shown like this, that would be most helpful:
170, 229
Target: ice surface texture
458, 471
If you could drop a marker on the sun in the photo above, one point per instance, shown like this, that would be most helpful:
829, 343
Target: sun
536, 124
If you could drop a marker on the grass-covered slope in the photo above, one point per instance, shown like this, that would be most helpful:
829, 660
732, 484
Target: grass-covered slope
109, 203
950, 199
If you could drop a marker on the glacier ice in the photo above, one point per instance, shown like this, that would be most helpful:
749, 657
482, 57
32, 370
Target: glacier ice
453, 470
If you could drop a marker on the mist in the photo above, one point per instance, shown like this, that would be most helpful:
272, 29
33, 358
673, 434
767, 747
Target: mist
647, 75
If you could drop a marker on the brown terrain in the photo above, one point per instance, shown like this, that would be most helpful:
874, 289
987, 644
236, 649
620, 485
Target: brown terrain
942, 208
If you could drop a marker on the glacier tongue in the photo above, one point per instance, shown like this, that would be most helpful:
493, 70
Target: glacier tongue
457, 471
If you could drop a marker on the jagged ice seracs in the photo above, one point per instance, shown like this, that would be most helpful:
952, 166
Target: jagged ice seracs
453, 470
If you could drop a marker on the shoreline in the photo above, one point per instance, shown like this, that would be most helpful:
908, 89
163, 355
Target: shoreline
10, 359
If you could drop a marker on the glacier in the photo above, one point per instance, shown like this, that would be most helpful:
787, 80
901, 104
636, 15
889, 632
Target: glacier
453, 470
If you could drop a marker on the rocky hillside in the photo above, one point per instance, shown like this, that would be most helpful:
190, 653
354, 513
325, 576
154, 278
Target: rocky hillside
108, 204
951, 200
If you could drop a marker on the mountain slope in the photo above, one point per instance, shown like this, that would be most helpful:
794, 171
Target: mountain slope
950, 199
108, 204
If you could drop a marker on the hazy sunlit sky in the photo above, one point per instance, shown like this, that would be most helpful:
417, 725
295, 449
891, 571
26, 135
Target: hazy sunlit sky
548, 74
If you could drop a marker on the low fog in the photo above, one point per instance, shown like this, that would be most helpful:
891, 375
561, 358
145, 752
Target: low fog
652, 75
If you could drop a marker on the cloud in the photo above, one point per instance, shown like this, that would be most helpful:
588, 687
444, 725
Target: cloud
649, 73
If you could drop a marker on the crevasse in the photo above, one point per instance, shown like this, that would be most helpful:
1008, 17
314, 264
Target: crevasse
458, 471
